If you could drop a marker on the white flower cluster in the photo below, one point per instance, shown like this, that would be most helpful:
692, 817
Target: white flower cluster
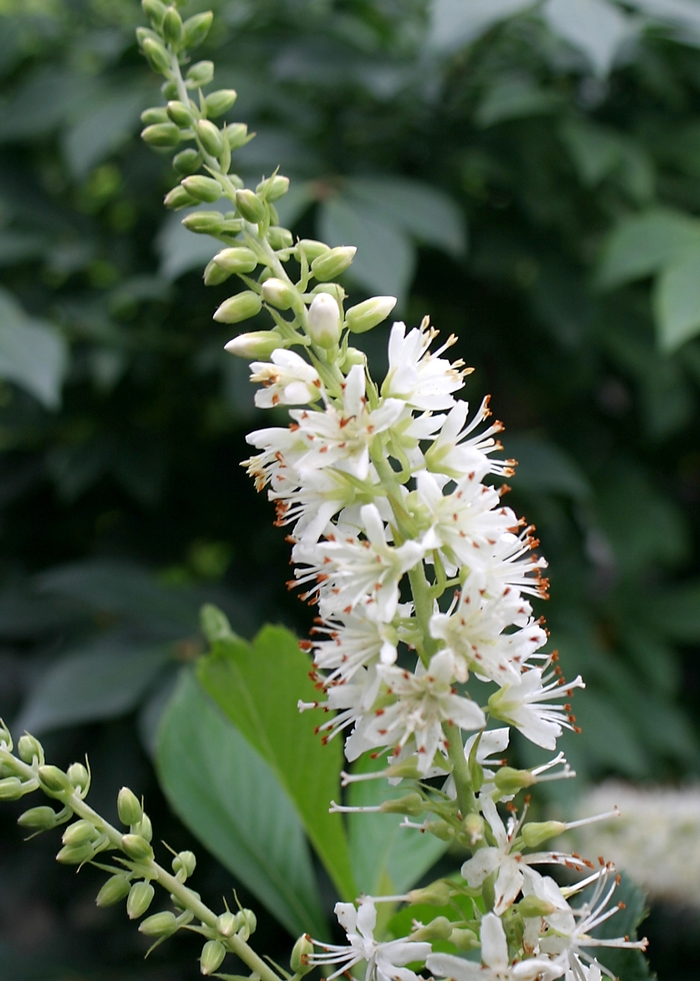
657, 839
422, 577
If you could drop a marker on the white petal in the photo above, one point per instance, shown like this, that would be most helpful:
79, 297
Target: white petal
494, 947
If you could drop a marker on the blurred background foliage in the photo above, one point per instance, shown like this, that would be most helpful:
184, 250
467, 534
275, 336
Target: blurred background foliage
528, 174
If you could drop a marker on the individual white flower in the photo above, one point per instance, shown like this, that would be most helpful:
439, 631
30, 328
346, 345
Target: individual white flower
512, 562
424, 701
354, 640
525, 706
275, 465
384, 961
497, 965
311, 500
456, 452
288, 380
421, 377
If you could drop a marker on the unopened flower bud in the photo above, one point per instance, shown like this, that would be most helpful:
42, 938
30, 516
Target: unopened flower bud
411, 804
115, 889
154, 10
204, 222
333, 263
332, 289
219, 102
212, 957
202, 188
38, 818
136, 847
149, 117
187, 161
352, 357
195, 29
278, 293
249, 205
273, 187
162, 134
509, 780
369, 313
464, 939
313, 249
436, 894
78, 832
236, 260
178, 198
324, 321
78, 777
536, 832
406, 769
438, 929
185, 862
128, 807
236, 135
247, 922
158, 58
10, 788
257, 345
159, 925
76, 854
533, 906
179, 113
53, 780
214, 275
280, 238
30, 749
226, 924
139, 899
200, 74
301, 952
474, 827
172, 26
240, 307
210, 137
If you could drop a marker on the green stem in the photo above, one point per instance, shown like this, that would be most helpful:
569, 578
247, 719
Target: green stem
460, 771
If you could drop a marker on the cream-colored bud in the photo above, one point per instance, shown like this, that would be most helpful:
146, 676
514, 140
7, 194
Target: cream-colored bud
278, 293
254, 346
369, 313
324, 321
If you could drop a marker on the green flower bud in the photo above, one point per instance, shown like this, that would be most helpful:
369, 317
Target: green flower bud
256, 345
333, 289
246, 921
158, 58
236, 135
280, 238
440, 829
30, 749
172, 26
10, 788
464, 939
139, 899
162, 134
155, 11
273, 188
369, 313
213, 953
5, 737
79, 832
143, 828
436, 894
278, 293
538, 831
438, 929
78, 777
232, 226
227, 924
150, 117
178, 198
210, 137
143, 33
240, 307
474, 827
202, 188
53, 780
533, 906
510, 781
116, 888
187, 161
313, 249
236, 260
353, 357
301, 951
249, 205
159, 925
136, 847
200, 74
128, 807
331, 264
204, 222
214, 275
38, 818
219, 102
184, 862
76, 854
169, 90
180, 113
196, 28
324, 321
411, 804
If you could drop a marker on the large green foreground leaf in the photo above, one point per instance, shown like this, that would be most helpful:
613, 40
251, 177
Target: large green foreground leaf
231, 800
258, 686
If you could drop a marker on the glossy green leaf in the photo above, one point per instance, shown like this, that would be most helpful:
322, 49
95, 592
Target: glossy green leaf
677, 300
231, 799
454, 22
644, 244
33, 354
596, 28
258, 686
105, 127
386, 858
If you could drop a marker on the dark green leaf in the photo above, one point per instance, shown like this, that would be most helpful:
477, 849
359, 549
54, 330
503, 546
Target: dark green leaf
677, 300
644, 244
33, 354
